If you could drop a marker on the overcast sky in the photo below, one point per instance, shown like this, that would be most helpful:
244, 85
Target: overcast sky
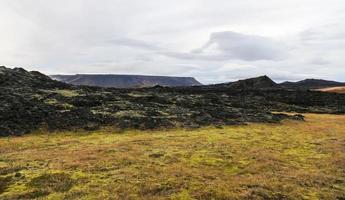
212, 40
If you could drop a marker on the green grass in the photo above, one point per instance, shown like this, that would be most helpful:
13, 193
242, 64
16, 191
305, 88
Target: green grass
65, 93
292, 160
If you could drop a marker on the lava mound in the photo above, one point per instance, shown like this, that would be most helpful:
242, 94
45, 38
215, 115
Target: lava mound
261, 82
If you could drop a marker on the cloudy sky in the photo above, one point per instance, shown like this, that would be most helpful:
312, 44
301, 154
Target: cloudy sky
212, 40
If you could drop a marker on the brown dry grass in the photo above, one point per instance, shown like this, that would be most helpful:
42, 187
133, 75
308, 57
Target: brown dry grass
292, 160
340, 90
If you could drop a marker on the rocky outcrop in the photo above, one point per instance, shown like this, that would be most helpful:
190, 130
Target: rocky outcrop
20, 78
31, 100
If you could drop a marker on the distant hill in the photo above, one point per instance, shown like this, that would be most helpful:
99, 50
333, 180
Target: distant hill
311, 84
125, 81
261, 82
254, 83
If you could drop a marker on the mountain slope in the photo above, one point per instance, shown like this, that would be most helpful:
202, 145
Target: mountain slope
126, 81
311, 84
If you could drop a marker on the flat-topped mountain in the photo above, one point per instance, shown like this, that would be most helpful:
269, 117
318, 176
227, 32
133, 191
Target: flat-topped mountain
311, 84
126, 81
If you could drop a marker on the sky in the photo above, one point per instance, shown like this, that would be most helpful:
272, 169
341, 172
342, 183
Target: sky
212, 40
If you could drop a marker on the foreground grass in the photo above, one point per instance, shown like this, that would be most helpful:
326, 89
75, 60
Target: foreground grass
292, 160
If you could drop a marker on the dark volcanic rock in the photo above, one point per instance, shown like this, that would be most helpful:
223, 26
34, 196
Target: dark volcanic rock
18, 77
31, 100
19, 114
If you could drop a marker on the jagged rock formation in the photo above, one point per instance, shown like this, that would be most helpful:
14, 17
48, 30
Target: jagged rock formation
126, 81
31, 100
311, 84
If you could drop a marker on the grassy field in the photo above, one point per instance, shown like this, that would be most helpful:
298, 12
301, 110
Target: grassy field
292, 160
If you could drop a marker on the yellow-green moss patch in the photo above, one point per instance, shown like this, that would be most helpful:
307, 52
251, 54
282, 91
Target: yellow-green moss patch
291, 160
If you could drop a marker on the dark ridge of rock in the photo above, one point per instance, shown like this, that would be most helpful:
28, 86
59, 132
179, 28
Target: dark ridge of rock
261, 82
20, 78
311, 84
126, 81
31, 100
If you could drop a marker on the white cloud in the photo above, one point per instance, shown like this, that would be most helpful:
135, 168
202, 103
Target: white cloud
285, 39
234, 45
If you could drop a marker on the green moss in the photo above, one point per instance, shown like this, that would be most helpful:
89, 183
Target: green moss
58, 182
232, 170
183, 195
138, 95
5, 183
10, 170
67, 106
218, 193
55, 102
51, 101
101, 112
303, 154
292, 160
129, 113
68, 93
65, 93
37, 96
202, 159
34, 194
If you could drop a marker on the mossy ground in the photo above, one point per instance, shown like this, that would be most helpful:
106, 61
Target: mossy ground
292, 160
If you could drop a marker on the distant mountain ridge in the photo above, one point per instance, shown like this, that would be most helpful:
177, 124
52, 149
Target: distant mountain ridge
126, 81
311, 84
264, 82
